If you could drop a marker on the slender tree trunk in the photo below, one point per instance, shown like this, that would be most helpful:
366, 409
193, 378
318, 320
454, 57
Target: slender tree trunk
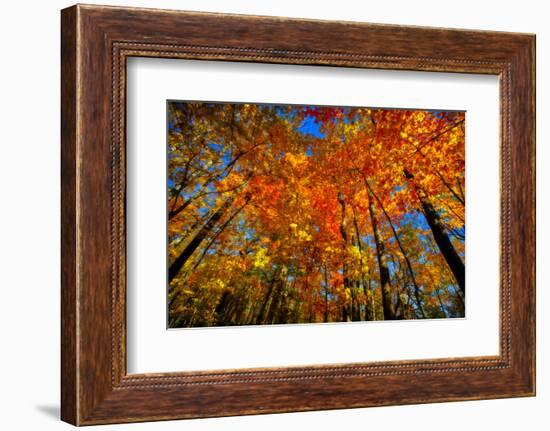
325, 274
385, 288
267, 297
176, 266
275, 303
458, 197
260, 316
369, 301
461, 191
355, 306
403, 253
182, 236
347, 311
359, 245
443, 310
460, 301
221, 308
240, 311
440, 235
174, 211
251, 313
398, 280
361, 284
220, 230
282, 312
277, 293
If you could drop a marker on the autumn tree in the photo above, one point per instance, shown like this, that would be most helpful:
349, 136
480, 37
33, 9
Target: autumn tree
293, 214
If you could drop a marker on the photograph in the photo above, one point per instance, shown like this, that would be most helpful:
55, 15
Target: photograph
275, 215
302, 214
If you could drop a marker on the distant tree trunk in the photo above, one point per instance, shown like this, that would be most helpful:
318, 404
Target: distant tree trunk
221, 308
277, 296
361, 271
385, 288
400, 307
325, 274
443, 310
441, 238
282, 312
176, 266
240, 306
459, 300
268, 294
370, 311
275, 303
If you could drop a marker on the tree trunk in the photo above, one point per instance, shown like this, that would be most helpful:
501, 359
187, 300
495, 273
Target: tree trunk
443, 310
221, 308
361, 282
403, 253
275, 305
370, 312
325, 274
441, 238
267, 297
220, 230
176, 266
385, 288
347, 311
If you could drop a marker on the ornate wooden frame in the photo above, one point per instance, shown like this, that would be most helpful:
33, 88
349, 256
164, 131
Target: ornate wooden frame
95, 42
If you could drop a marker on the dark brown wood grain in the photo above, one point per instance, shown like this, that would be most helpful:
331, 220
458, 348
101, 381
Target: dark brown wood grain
68, 217
96, 41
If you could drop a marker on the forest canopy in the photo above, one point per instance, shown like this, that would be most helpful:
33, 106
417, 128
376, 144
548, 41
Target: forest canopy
303, 214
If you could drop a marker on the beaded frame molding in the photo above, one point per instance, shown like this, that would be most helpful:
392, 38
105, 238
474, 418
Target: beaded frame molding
95, 43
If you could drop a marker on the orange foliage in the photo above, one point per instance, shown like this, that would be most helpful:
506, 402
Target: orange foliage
274, 214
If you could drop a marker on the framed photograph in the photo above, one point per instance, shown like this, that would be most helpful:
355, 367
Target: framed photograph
266, 215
